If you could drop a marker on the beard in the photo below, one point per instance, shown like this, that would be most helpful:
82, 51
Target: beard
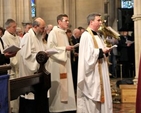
39, 34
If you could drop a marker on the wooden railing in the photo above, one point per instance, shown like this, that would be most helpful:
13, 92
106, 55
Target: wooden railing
39, 83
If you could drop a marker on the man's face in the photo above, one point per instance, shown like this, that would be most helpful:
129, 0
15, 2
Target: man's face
78, 34
69, 34
12, 28
40, 29
27, 27
64, 23
97, 22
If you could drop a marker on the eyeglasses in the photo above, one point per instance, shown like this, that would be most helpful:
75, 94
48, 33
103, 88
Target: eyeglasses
65, 20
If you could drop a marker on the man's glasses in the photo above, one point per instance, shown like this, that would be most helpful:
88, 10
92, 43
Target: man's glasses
65, 20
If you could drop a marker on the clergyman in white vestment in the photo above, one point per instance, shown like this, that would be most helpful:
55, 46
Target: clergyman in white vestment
61, 93
31, 44
93, 93
10, 38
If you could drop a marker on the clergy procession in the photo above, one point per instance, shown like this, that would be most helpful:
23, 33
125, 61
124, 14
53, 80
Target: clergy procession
78, 63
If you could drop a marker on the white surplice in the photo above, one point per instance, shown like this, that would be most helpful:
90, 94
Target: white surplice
30, 46
8, 40
89, 88
54, 63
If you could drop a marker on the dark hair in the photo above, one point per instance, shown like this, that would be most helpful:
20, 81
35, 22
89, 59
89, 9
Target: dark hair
8, 22
60, 17
68, 31
1, 29
92, 17
81, 28
27, 24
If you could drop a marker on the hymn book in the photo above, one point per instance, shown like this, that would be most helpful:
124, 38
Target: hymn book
129, 42
113, 46
52, 51
76, 45
11, 49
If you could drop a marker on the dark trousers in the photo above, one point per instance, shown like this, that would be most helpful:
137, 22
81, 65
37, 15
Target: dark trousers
26, 106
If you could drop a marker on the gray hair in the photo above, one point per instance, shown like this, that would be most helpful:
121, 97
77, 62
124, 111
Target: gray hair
8, 22
35, 23
91, 17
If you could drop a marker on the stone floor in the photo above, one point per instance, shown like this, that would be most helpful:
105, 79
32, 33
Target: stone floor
119, 107
124, 108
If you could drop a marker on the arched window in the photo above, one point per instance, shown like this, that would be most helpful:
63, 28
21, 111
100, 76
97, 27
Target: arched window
33, 8
127, 4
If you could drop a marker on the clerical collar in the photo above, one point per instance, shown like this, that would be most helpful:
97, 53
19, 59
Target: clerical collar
12, 34
61, 28
95, 33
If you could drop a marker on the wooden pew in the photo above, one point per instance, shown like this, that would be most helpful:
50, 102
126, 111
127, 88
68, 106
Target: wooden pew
39, 83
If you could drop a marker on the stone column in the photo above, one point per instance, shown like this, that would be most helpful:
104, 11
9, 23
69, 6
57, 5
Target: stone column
111, 12
19, 12
70, 10
9, 9
27, 11
73, 14
137, 34
66, 4
1, 13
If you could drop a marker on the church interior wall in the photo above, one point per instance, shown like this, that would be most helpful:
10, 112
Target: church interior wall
48, 10
85, 7
77, 10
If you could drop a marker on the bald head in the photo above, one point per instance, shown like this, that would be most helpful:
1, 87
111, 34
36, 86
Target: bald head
40, 21
76, 33
49, 27
39, 25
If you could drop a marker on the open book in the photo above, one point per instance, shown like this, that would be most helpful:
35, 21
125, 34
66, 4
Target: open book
113, 46
76, 45
12, 49
129, 42
52, 51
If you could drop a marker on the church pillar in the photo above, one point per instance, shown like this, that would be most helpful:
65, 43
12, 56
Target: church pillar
70, 10
9, 10
137, 34
19, 12
26, 11
66, 7
1, 13
111, 12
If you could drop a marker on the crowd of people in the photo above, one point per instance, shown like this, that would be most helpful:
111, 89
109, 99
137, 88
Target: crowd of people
79, 74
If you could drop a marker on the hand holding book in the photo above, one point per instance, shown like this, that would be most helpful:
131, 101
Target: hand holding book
11, 49
51, 51
76, 45
113, 46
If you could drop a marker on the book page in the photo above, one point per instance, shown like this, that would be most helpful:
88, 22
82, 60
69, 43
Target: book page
12, 49
52, 51
113, 46
76, 45
129, 42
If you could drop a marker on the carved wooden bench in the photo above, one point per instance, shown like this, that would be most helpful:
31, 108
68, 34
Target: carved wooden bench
39, 83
